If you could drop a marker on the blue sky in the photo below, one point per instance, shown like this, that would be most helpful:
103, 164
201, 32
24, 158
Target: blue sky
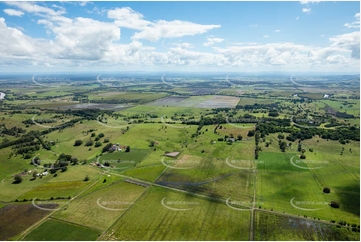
180, 36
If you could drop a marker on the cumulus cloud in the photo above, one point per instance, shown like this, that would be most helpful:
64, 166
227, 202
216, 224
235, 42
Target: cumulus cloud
212, 41
277, 30
266, 36
350, 41
153, 31
79, 42
13, 12
35, 8
355, 24
306, 10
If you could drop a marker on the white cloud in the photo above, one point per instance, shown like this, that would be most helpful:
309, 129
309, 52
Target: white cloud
306, 10
322, 35
312, 1
350, 41
297, 18
171, 29
355, 24
153, 31
212, 41
128, 18
277, 30
253, 25
84, 42
266, 36
184, 45
13, 12
34, 8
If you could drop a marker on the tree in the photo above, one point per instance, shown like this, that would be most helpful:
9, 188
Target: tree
18, 179
127, 149
334, 204
97, 144
64, 168
93, 134
35, 174
106, 140
250, 133
89, 143
78, 142
151, 143
302, 156
86, 178
326, 190
101, 135
239, 137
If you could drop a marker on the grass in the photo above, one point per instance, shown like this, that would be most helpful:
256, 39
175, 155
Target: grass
55, 230
272, 227
99, 209
161, 223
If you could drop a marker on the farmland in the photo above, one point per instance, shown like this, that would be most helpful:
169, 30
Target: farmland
180, 158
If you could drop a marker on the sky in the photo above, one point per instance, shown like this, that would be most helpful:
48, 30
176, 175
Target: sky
300, 36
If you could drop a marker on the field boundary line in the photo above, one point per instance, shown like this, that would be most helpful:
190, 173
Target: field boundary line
22, 235
65, 221
110, 227
295, 216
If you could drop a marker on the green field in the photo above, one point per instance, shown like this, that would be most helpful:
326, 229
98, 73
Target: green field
162, 223
55, 230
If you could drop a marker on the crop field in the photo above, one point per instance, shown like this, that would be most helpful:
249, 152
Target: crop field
101, 208
198, 102
121, 160
248, 166
175, 216
58, 230
271, 227
16, 218
143, 97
